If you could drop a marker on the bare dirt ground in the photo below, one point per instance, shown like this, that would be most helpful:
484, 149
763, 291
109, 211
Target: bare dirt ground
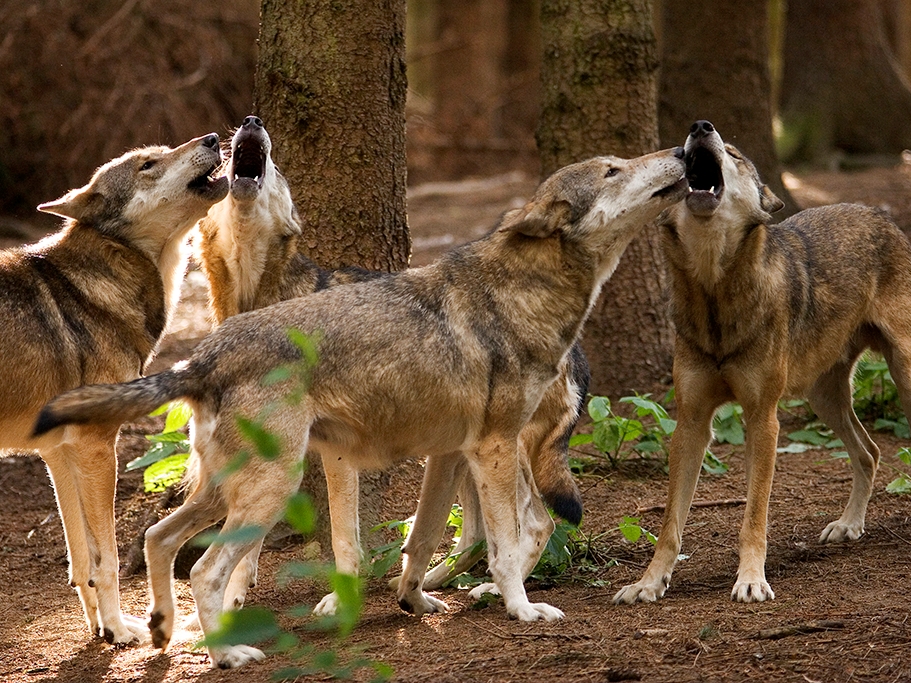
694, 634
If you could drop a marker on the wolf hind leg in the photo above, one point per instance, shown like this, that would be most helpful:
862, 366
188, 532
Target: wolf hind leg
831, 399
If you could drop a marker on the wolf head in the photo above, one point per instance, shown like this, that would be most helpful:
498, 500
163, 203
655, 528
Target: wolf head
258, 190
168, 186
601, 203
722, 180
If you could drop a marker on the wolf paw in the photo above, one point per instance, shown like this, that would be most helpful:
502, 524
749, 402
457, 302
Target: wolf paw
841, 531
130, 631
641, 591
235, 656
535, 611
752, 591
161, 628
420, 603
478, 592
327, 606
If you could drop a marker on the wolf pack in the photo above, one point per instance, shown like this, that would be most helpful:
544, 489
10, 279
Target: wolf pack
472, 363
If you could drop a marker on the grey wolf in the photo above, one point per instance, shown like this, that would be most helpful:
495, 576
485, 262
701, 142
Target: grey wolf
89, 304
764, 312
449, 360
251, 252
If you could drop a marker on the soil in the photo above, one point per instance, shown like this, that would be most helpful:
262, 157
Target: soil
852, 593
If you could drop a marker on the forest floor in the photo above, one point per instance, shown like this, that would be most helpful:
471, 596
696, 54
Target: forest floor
695, 634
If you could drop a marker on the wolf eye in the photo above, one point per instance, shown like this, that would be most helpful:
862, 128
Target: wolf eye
147, 165
611, 172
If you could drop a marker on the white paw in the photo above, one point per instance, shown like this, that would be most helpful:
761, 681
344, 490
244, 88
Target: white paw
394, 582
841, 531
642, 591
420, 603
327, 606
131, 631
478, 592
235, 656
752, 591
535, 611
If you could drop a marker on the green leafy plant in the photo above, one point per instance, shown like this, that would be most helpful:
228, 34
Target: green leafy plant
646, 434
166, 459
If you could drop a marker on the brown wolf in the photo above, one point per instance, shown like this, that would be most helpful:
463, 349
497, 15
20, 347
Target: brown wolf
766, 311
250, 251
449, 360
89, 304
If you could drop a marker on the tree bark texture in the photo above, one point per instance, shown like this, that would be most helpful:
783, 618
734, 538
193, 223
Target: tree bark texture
842, 88
599, 82
330, 86
715, 66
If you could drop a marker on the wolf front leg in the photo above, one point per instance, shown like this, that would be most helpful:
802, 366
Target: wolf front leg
495, 467
697, 398
344, 501
762, 439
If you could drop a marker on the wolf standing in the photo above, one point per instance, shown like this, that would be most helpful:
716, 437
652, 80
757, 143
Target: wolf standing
767, 311
88, 304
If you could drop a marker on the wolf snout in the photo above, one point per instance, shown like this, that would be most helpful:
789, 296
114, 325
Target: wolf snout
253, 122
702, 129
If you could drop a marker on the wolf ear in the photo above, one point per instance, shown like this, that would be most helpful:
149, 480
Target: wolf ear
769, 202
80, 205
537, 219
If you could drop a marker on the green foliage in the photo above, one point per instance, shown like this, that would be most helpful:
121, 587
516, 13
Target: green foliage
645, 435
383, 557
166, 459
632, 532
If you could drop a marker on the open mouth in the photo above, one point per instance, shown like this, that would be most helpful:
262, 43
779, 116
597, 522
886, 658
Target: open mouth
248, 163
706, 180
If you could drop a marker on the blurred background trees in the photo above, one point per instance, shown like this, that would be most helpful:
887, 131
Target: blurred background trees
493, 86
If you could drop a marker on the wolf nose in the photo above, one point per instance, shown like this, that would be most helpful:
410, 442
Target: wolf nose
701, 129
679, 152
253, 121
210, 141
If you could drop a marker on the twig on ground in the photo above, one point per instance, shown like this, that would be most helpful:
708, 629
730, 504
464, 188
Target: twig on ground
809, 627
697, 504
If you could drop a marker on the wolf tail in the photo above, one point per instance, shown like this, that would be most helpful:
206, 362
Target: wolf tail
546, 437
112, 403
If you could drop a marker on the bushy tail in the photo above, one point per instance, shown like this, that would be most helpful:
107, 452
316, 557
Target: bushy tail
553, 423
111, 403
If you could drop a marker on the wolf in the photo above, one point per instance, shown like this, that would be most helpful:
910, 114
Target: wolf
251, 251
449, 360
89, 304
764, 312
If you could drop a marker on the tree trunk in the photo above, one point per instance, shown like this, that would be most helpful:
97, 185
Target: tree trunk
728, 85
330, 86
842, 88
599, 77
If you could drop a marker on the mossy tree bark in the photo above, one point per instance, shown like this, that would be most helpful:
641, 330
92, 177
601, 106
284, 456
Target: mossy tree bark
330, 86
728, 84
599, 89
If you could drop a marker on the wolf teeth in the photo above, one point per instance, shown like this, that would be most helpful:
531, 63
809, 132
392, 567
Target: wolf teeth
712, 189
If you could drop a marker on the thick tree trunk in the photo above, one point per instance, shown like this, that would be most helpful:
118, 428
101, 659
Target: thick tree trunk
599, 81
330, 86
728, 84
842, 88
